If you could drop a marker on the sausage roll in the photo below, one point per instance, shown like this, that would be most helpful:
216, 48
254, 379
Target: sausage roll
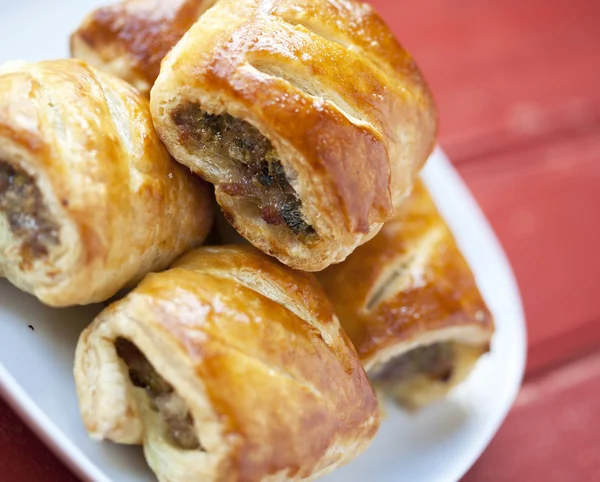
229, 366
90, 200
131, 38
307, 116
411, 306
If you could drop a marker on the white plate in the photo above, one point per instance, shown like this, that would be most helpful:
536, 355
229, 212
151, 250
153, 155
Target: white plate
437, 444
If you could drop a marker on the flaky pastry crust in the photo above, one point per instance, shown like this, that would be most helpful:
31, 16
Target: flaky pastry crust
409, 288
273, 387
327, 95
90, 200
130, 39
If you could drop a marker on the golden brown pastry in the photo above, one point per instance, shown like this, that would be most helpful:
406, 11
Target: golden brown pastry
410, 304
90, 200
307, 116
131, 38
227, 367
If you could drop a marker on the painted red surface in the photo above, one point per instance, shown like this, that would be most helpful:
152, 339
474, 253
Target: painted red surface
23, 458
518, 88
544, 203
505, 72
552, 432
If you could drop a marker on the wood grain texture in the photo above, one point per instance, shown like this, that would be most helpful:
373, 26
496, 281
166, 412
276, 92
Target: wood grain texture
551, 433
544, 204
504, 73
517, 87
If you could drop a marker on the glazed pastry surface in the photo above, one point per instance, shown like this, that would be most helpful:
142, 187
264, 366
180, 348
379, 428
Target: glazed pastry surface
411, 306
228, 366
130, 39
307, 116
90, 200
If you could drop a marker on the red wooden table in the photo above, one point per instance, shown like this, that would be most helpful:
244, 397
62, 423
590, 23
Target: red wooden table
518, 88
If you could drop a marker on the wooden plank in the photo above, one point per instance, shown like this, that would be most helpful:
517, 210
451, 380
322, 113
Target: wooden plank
544, 204
552, 432
24, 458
505, 73
509, 76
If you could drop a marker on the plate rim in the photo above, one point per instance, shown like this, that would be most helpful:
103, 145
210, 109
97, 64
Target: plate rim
518, 355
78, 462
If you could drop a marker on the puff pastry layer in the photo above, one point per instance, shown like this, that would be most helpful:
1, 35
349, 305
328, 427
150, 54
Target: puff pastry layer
229, 366
90, 200
307, 116
129, 39
411, 306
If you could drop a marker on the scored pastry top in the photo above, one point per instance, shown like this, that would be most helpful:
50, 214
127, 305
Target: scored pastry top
271, 383
409, 286
129, 39
319, 90
90, 199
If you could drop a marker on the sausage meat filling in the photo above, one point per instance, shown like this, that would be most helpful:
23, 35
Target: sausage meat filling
163, 399
262, 179
28, 217
435, 361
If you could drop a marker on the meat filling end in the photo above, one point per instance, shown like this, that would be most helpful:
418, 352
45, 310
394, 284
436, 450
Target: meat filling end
163, 399
262, 179
435, 361
28, 217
